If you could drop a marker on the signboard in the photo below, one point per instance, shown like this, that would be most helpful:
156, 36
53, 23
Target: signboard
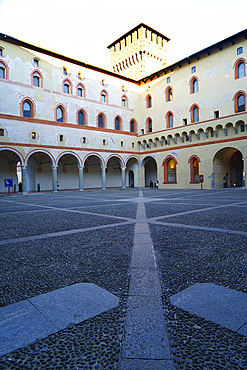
201, 178
8, 183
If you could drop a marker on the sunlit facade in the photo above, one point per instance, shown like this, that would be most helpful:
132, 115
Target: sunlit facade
66, 125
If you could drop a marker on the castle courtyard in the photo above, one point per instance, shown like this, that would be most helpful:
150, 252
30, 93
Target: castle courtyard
124, 279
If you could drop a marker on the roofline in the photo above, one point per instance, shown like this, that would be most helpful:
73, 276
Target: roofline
26, 45
135, 29
194, 57
164, 71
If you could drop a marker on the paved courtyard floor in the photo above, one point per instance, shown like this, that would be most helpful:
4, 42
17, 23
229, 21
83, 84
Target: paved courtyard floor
124, 279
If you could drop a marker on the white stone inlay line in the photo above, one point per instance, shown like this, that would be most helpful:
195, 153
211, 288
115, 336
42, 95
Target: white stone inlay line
145, 342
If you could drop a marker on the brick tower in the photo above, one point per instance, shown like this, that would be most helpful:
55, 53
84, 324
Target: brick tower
139, 52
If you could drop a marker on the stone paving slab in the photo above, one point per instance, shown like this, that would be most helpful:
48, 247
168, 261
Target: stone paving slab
145, 336
26, 322
74, 303
146, 282
223, 306
142, 228
142, 258
136, 364
20, 325
150, 303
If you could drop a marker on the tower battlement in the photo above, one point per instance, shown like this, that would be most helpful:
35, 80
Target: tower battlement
139, 52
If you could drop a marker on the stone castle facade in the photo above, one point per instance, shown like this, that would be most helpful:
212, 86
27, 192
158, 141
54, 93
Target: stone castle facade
65, 124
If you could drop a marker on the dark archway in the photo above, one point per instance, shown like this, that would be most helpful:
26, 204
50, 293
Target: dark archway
150, 167
8, 169
228, 168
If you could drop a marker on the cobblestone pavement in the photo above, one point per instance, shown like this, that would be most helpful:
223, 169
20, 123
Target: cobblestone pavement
50, 241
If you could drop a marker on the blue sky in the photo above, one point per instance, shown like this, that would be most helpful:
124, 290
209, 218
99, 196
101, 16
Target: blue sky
82, 29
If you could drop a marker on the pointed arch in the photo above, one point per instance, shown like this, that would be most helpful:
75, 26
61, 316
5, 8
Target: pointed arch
170, 169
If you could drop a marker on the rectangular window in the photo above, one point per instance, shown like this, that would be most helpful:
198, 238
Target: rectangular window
240, 50
84, 140
33, 135
216, 114
121, 144
133, 145
79, 75
168, 80
61, 138
185, 121
142, 131
1, 132
36, 62
65, 71
193, 69
104, 141
1, 52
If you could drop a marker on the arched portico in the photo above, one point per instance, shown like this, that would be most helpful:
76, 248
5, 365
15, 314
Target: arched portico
9, 159
38, 170
115, 172
68, 165
93, 172
228, 168
150, 170
131, 173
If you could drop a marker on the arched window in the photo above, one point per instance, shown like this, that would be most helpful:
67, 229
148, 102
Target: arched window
132, 126
240, 68
60, 114
81, 118
169, 120
169, 93
66, 87
240, 101
194, 168
80, 91
124, 102
103, 97
149, 125
36, 79
195, 114
149, 101
194, 110
2, 71
27, 109
101, 120
170, 169
117, 124
194, 85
